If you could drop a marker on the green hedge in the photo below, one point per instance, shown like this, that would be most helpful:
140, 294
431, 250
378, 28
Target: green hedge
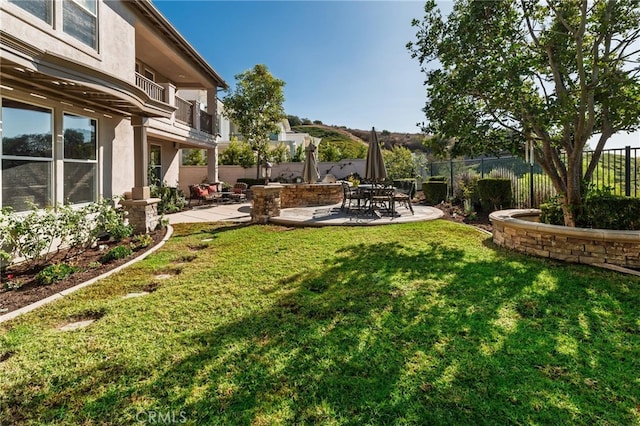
495, 194
251, 181
603, 211
435, 192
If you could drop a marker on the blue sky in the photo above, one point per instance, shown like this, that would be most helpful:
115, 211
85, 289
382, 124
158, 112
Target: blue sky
344, 62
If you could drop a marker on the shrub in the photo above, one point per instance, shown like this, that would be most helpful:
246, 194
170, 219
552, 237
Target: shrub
495, 193
118, 252
466, 189
435, 192
55, 273
607, 211
551, 212
172, 199
141, 241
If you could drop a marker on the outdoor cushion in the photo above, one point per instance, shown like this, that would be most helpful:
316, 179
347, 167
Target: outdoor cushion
212, 189
237, 190
202, 192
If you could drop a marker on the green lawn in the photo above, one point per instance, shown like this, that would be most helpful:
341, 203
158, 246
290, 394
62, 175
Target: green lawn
425, 323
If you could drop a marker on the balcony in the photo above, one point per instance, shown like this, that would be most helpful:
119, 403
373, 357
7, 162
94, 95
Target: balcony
154, 90
189, 113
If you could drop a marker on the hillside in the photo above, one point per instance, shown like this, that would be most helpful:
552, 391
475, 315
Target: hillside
388, 140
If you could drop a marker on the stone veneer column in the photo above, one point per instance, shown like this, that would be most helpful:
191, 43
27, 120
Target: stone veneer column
266, 202
142, 214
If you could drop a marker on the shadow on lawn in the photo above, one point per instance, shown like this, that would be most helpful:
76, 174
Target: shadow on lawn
385, 334
348, 343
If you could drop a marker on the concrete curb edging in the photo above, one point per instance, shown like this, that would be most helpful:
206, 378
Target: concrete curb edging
13, 314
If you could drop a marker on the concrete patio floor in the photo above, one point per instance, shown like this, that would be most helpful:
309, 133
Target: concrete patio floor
329, 215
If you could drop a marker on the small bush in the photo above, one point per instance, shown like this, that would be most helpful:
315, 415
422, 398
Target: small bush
55, 273
435, 192
141, 241
118, 252
466, 189
551, 212
495, 194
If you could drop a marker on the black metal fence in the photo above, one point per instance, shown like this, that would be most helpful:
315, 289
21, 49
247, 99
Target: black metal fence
618, 169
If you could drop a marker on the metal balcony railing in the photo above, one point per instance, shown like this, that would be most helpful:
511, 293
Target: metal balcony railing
206, 122
184, 113
154, 90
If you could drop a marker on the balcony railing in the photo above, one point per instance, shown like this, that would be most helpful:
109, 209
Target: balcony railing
184, 113
154, 90
206, 122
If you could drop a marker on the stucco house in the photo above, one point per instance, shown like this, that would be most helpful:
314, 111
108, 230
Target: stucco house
97, 97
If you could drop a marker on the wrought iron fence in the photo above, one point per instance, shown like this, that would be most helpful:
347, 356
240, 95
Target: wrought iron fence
618, 169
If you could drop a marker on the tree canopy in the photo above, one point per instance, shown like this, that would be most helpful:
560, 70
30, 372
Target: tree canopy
532, 77
256, 106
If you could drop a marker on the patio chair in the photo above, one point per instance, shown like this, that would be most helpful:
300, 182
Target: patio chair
383, 199
350, 194
404, 198
239, 192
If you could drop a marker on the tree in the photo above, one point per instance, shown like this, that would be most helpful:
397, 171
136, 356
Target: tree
399, 163
298, 155
530, 76
294, 120
194, 157
255, 106
279, 154
238, 154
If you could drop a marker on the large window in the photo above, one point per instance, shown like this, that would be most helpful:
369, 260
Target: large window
80, 20
39, 8
27, 155
80, 159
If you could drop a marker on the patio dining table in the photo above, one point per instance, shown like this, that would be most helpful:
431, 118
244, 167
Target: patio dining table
377, 197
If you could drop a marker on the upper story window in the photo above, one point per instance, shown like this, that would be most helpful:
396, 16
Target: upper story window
42, 9
80, 20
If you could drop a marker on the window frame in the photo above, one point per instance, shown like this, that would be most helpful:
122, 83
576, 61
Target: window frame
51, 186
93, 161
96, 26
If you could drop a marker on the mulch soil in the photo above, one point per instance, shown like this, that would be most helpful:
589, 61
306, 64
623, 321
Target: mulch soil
87, 263
89, 267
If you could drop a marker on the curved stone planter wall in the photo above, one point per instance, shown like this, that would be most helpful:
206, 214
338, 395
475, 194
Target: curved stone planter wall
307, 195
520, 230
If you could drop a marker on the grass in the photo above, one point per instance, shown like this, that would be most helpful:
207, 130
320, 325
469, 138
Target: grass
424, 323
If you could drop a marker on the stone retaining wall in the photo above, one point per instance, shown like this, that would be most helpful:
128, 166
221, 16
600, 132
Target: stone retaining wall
519, 230
306, 195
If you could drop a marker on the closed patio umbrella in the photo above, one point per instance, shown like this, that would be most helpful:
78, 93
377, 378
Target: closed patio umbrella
310, 173
375, 170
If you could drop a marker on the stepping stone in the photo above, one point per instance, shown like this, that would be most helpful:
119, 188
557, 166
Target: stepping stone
163, 276
76, 325
206, 240
130, 295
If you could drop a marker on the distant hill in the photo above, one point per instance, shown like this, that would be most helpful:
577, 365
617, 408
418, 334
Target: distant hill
412, 141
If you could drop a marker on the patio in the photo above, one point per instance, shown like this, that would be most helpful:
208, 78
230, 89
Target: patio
329, 215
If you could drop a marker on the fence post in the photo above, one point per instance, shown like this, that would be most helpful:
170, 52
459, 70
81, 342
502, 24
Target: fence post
531, 204
451, 177
627, 171
482, 167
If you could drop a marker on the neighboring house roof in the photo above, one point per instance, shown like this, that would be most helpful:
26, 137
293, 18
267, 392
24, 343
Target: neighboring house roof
169, 31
